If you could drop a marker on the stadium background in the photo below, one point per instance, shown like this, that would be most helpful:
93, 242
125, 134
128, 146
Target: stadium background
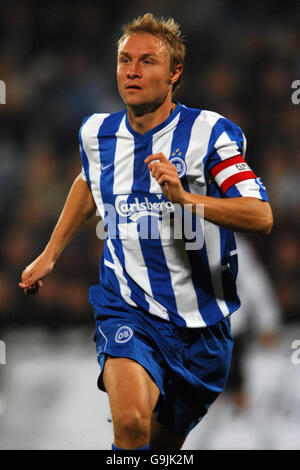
58, 61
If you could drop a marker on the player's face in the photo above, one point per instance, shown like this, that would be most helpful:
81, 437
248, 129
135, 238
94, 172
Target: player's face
143, 71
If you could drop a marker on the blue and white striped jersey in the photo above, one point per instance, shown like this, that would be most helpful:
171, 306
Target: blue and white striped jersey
164, 274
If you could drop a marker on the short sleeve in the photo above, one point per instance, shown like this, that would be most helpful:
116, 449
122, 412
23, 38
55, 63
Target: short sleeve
83, 175
84, 159
226, 163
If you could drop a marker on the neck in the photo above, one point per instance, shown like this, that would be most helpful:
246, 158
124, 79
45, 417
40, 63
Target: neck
143, 119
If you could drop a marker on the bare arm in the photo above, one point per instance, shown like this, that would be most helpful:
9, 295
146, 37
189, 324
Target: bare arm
78, 208
241, 214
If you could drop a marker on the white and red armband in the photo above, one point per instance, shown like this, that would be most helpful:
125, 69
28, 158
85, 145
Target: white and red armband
230, 172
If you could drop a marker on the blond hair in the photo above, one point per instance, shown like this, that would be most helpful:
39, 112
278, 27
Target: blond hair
168, 30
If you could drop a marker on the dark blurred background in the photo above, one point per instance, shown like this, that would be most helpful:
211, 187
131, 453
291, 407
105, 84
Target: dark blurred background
58, 62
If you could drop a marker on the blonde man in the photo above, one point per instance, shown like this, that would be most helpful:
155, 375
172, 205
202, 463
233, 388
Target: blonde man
163, 303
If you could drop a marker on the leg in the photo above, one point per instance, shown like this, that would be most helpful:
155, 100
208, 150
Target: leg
133, 396
162, 438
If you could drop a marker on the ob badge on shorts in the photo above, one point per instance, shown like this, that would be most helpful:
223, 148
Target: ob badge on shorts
123, 334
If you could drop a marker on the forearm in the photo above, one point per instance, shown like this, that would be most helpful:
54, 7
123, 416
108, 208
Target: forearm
243, 214
78, 208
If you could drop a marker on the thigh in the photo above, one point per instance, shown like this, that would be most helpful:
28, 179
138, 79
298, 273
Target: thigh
129, 386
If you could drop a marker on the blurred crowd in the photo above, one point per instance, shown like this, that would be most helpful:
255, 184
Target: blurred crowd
58, 61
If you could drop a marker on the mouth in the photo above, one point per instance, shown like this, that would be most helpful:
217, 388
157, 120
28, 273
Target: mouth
133, 87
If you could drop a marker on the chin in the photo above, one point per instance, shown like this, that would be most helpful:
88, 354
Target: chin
133, 100
140, 107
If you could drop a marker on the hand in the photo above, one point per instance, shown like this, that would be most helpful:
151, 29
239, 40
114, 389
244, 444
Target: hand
167, 177
34, 273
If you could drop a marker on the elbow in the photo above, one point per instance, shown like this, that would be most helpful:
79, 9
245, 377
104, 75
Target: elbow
261, 218
266, 223
267, 227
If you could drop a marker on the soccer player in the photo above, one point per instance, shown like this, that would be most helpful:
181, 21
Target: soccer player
163, 303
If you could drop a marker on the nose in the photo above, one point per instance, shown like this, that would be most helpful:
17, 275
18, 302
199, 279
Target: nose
133, 70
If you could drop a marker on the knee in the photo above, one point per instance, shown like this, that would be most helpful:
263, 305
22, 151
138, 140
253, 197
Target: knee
133, 425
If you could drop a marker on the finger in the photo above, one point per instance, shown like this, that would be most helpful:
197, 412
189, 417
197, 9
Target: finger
158, 164
33, 289
22, 285
29, 283
25, 285
163, 165
26, 276
160, 170
26, 282
156, 156
163, 179
156, 169
27, 272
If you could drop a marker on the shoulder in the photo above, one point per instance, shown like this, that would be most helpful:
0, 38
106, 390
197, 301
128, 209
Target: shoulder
220, 124
211, 119
91, 124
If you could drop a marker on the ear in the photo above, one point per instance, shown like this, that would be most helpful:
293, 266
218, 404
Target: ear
175, 75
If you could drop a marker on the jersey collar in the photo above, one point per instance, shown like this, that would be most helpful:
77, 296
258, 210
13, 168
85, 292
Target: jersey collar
155, 129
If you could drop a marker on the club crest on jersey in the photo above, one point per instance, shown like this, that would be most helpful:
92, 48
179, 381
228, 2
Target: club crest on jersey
180, 165
123, 334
